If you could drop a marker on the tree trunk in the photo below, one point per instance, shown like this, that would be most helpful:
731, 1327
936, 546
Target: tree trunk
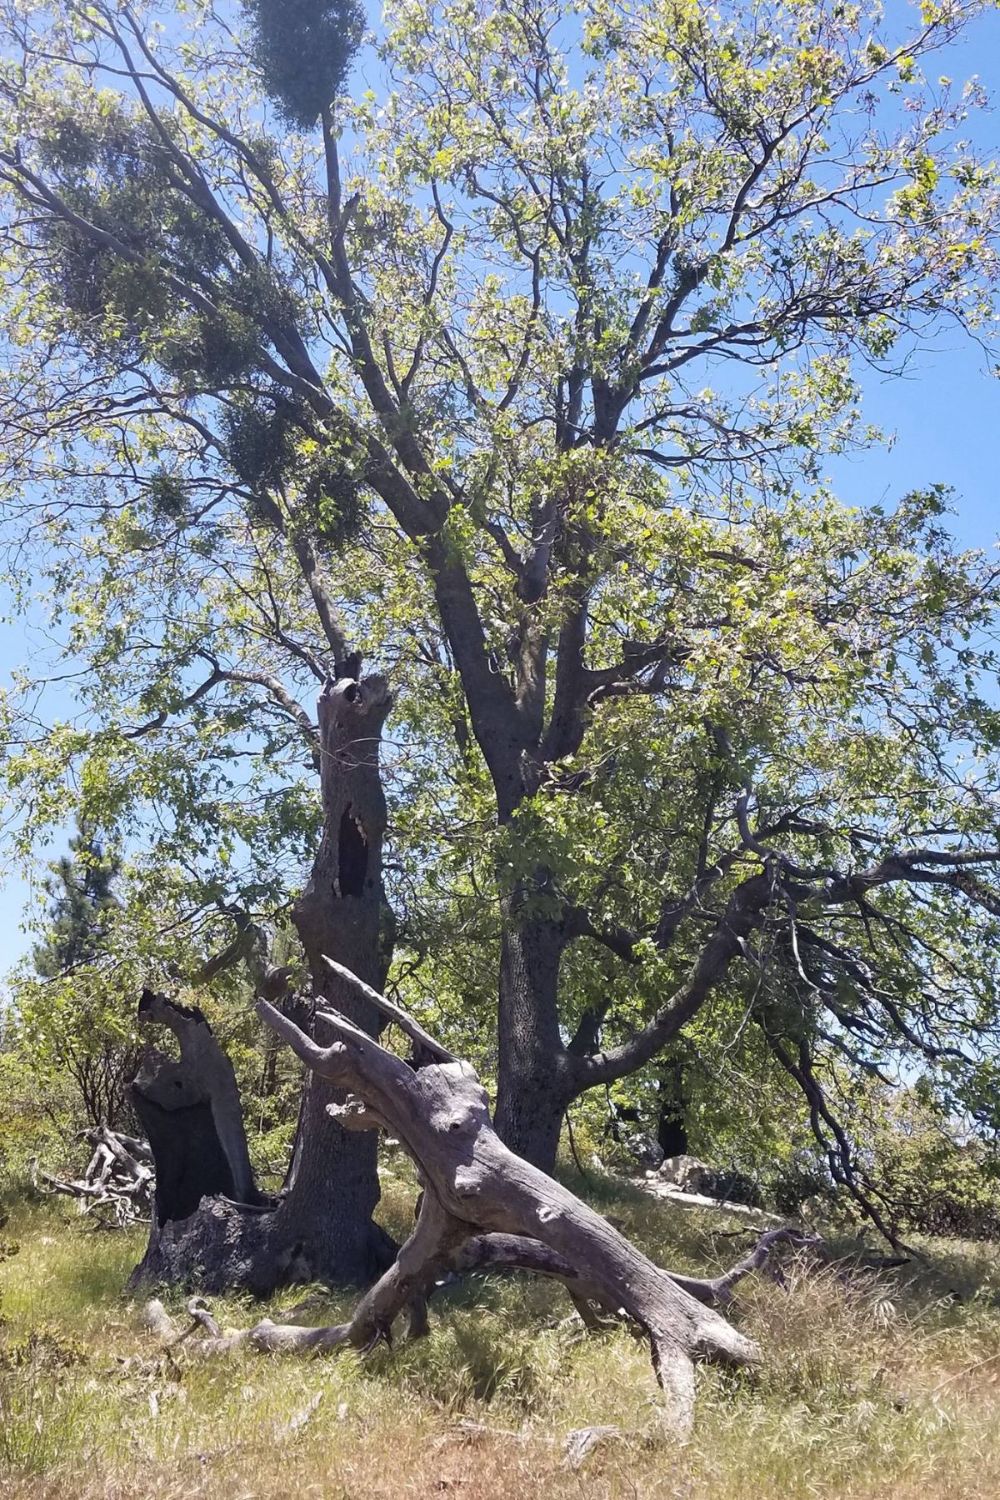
333, 1186
671, 1131
534, 1086
322, 1227
192, 1116
483, 1209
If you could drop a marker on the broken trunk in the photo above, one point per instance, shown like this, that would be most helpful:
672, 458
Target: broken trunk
212, 1228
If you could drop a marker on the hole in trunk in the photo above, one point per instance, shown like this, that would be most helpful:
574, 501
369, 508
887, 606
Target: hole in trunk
352, 855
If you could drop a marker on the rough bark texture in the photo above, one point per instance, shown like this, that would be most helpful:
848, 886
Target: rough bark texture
192, 1115
475, 1190
534, 1088
205, 1190
333, 1188
322, 1227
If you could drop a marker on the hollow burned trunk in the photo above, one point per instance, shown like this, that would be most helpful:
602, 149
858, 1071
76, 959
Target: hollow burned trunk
212, 1229
333, 1183
192, 1116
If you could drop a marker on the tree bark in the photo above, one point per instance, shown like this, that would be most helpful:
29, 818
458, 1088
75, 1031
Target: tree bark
322, 1227
333, 1189
534, 1086
192, 1115
671, 1130
483, 1209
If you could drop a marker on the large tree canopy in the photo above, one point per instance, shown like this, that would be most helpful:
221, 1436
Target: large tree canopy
517, 372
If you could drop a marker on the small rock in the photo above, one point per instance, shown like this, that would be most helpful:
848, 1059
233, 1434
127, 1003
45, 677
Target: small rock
644, 1149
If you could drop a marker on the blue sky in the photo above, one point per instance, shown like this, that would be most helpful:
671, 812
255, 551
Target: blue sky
943, 415
944, 418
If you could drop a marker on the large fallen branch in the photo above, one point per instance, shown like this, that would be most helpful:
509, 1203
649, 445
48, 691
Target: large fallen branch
483, 1208
668, 1192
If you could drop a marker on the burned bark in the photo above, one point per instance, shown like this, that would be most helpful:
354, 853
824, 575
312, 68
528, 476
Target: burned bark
191, 1111
332, 1190
192, 1115
321, 1228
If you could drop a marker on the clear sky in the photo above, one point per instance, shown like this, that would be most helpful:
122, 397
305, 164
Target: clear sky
944, 415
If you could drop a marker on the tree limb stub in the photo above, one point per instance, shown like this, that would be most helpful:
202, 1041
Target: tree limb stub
406, 1023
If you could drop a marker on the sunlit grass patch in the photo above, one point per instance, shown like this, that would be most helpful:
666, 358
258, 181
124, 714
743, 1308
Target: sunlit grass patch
870, 1386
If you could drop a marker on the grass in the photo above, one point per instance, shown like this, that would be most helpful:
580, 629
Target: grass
870, 1387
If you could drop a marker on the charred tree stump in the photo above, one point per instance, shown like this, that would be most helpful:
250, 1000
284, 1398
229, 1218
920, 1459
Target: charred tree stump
483, 1208
213, 1231
193, 1118
192, 1115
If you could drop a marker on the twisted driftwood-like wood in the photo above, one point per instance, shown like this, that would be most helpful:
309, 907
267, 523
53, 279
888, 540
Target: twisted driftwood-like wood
484, 1208
117, 1183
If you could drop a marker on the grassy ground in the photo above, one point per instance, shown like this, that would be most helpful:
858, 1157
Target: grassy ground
869, 1388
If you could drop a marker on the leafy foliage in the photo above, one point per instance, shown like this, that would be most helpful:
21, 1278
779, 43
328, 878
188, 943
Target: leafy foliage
934, 1176
529, 397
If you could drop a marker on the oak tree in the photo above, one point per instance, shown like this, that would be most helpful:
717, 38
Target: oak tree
518, 371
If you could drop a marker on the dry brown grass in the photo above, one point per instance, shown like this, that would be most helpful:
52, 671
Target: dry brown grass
870, 1387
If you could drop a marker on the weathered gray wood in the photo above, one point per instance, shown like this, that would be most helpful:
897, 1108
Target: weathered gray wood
204, 1076
475, 1188
116, 1185
406, 1023
321, 1229
481, 1209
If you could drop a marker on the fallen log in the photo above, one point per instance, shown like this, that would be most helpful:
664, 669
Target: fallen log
483, 1208
668, 1192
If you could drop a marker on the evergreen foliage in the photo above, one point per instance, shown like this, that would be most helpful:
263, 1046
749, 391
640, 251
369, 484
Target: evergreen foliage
304, 49
81, 888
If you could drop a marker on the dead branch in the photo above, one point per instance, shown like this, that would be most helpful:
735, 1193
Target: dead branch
117, 1184
483, 1208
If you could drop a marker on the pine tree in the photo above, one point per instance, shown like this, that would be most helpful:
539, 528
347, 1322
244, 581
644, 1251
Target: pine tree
81, 890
